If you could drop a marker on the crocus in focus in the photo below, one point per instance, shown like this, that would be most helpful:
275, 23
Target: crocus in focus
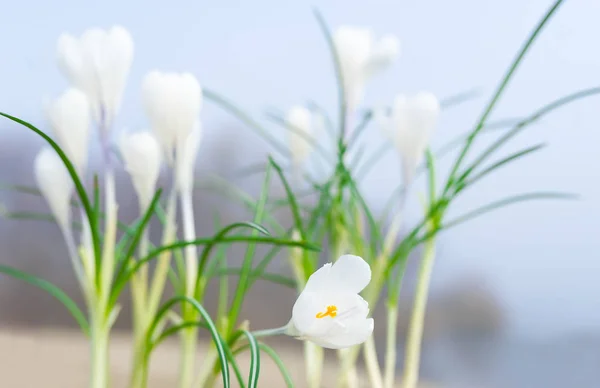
329, 312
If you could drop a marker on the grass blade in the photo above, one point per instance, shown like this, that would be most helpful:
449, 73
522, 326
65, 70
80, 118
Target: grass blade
502, 162
505, 202
85, 201
246, 119
51, 289
500, 89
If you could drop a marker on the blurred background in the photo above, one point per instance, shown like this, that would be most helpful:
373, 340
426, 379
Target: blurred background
515, 297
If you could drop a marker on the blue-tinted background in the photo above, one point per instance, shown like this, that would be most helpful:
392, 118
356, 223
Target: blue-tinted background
539, 261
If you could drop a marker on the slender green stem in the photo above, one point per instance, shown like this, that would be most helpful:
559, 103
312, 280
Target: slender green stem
496, 97
313, 355
389, 377
417, 321
370, 354
270, 332
99, 332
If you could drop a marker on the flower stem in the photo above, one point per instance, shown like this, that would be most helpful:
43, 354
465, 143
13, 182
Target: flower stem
189, 341
415, 330
271, 332
314, 364
390, 351
100, 340
370, 354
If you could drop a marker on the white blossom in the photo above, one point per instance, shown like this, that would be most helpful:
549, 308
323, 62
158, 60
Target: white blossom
300, 121
410, 127
362, 57
173, 102
141, 155
98, 63
186, 161
69, 117
329, 311
55, 183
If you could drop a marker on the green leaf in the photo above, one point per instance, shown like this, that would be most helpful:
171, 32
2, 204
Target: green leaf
502, 162
270, 277
78, 186
254, 360
35, 216
52, 290
138, 234
280, 364
244, 279
246, 119
298, 131
217, 340
233, 192
318, 109
120, 284
339, 76
521, 125
505, 202
500, 89
291, 198
373, 227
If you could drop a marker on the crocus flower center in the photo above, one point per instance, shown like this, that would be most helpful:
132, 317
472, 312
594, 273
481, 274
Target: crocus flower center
331, 312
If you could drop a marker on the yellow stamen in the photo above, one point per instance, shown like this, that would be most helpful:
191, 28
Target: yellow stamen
331, 311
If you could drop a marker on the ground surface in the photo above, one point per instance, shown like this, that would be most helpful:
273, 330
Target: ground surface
59, 359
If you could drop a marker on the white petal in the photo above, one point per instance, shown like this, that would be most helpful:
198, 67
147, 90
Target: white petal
69, 116
118, 63
98, 63
309, 304
384, 54
172, 102
414, 120
142, 157
55, 183
353, 46
350, 273
356, 332
300, 119
186, 158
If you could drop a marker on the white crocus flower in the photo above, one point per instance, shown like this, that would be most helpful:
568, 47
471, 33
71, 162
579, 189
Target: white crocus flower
361, 57
187, 160
329, 311
300, 121
98, 62
69, 117
410, 127
141, 155
55, 183
172, 102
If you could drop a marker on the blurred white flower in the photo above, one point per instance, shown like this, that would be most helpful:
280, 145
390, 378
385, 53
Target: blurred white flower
55, 183
361, 57
172, 102
141, 155
410, 127
98, 63
187, 160
299, 118
69, 116
329, 311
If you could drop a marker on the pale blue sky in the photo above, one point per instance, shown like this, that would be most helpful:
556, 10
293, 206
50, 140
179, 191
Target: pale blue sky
542, 258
